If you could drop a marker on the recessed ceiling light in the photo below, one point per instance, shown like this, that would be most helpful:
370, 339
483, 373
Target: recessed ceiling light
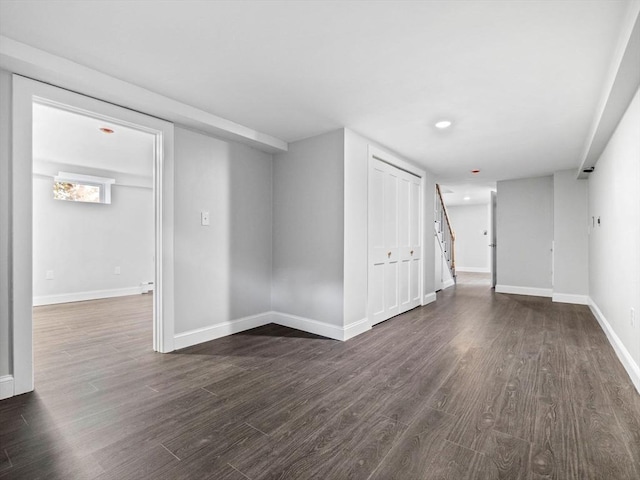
106, 130
443, 124
467, 198
475, 171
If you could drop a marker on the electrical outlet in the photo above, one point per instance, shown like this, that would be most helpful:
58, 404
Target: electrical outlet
48, 275
116, 271
633, 317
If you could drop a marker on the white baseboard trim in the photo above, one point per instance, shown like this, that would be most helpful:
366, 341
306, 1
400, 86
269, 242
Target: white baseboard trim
429, 298
84, 296
632, 368
206, 334
570, 298
356, 328
314, 326
222, 329
6, 386
448, 283
534, 292
473, 269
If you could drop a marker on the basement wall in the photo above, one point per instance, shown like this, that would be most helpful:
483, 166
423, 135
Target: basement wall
525, 236
614, 243
471, 226
222, 271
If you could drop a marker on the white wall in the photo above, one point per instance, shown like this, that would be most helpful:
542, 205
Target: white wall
571, 246
429, 189
524, 236
471, 226
356, 174
320, 231
82, 243
222, 271
308, 229
614, 245
5, 189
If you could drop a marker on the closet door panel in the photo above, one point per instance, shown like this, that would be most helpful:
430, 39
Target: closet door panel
394, 241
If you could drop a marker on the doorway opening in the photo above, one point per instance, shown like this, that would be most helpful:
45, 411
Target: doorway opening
471, 210
79, 187
93, 239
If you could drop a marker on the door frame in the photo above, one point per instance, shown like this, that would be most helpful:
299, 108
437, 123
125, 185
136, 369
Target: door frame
493, 246
373, 154
25, 92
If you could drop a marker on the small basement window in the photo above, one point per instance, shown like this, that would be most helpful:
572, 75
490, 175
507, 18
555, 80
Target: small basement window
75, 187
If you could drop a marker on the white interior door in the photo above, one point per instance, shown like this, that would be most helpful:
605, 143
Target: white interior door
395, 241
410, 248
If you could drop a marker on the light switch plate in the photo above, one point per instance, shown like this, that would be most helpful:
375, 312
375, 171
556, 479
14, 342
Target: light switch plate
204, 218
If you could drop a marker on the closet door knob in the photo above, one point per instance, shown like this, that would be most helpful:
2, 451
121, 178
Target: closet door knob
389, 255
411, 252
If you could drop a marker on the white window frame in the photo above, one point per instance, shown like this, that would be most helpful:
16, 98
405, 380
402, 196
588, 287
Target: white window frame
102, 182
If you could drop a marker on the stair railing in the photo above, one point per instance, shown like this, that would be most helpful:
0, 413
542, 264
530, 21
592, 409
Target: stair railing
445, 232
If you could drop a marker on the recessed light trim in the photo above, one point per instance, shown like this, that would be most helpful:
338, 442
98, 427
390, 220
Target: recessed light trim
442, 124
106, 130
467, 198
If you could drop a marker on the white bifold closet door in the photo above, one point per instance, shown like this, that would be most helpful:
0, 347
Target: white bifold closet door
395, 241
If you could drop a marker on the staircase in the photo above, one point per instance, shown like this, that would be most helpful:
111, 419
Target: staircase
445, 236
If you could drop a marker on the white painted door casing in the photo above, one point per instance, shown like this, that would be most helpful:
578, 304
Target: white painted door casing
25, 92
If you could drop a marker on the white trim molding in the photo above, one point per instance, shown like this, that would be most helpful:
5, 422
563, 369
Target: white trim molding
223, 329
429, 298
321, 328
570, 298
354, 329
6, 386
218, 330
531, 291
473, 269
25, 93
448, 283
84, 296
32, 62
632, 368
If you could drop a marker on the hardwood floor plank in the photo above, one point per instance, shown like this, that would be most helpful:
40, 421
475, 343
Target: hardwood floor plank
553, 447
404, 402
327, 447
505, 458
200, 467
367, 446
516, 411
143, 466
457, 462
216, 439
623, 402
55, 465
333, 388
475, 385
420, 445
5, 461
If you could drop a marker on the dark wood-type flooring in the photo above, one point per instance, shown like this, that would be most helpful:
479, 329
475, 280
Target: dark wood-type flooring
476, 385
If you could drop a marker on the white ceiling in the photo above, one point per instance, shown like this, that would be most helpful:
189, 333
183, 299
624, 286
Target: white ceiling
75, 140
520, 80
469, 193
